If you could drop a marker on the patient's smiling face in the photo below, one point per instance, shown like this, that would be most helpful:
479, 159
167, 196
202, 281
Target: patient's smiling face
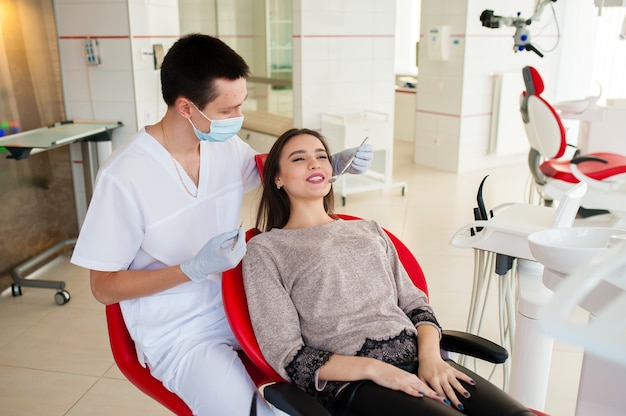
304, 168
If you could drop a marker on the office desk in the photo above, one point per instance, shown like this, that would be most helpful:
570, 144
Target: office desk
22, 145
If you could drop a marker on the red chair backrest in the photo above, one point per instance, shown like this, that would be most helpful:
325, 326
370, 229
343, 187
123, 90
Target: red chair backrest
543, 125
259, 159
534, 83
236, 304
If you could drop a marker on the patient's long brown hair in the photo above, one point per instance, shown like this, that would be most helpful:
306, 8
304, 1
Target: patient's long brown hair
274, 207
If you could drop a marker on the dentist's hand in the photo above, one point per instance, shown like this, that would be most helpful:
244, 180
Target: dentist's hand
220, 253
360, 164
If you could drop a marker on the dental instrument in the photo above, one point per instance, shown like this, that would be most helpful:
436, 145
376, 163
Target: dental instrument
236, 238
348, 163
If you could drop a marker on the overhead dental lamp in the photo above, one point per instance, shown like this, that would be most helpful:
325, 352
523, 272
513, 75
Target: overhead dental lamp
521, 38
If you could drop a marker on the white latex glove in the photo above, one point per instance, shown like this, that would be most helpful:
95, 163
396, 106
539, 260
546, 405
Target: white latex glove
217, 255
360, 164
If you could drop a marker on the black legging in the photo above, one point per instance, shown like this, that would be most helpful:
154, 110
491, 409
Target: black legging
365, 398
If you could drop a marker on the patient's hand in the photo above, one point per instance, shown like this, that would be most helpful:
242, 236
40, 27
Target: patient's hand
394, 378
444, 379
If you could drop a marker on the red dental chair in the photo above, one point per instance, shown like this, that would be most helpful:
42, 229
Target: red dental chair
235, 304
604, 172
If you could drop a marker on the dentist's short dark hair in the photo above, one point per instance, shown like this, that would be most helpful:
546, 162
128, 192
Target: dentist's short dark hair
192, 65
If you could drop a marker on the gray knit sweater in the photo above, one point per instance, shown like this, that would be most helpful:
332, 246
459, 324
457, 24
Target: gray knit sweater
334, 288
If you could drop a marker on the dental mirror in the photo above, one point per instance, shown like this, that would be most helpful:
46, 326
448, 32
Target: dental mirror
348, 163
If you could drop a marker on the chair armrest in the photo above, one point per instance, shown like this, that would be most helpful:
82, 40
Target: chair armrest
474, 346
600, 185
290, 399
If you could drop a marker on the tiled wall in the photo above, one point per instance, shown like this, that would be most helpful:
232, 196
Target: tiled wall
125, 86
454, 97
193, 16
343, 58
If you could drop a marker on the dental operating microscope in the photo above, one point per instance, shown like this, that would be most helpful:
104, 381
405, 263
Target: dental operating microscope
521, 38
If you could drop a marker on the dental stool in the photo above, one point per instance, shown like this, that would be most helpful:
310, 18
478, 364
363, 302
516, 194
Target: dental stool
553, 174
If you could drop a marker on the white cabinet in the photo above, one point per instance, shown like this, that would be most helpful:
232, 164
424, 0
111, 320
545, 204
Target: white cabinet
404, 117
261, 129
260, 142
347, 130
279, 39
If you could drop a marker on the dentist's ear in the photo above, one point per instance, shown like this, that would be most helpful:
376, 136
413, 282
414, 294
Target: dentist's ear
183, 107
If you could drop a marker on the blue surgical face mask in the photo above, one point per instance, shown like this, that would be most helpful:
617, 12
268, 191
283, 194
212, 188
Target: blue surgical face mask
221, 130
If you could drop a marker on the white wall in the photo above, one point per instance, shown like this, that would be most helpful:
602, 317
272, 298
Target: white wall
125, 86
407, 35
454, 97
151, 22
343, 58
198, 16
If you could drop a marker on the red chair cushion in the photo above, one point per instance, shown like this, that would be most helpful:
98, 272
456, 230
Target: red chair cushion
560, 169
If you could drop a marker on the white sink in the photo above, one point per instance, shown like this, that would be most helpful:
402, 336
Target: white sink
564, 250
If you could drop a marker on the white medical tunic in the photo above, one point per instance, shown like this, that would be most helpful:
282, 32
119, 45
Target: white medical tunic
142, 218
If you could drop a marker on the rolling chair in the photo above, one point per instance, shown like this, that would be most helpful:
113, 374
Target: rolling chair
604, 172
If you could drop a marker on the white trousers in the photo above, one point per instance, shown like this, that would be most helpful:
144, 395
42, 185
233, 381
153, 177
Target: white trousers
213, 381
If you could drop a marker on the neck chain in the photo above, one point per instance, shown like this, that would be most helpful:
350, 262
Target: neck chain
175, 163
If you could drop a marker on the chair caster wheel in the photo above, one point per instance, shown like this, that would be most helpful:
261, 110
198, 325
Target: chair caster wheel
62, 297
16, 290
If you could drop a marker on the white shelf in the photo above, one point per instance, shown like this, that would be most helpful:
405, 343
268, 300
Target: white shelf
347, 130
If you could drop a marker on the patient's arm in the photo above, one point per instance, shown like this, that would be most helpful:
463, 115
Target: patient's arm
350, 368
442, 377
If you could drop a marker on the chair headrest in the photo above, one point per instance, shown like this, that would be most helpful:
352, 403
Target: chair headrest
532, 80
259, 159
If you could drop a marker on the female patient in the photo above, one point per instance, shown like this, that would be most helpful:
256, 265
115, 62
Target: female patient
333, 309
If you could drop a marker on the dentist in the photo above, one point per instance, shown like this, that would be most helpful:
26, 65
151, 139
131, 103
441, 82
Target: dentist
162, 226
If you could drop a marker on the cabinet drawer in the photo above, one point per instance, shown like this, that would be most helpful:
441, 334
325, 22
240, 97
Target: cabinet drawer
258, 141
